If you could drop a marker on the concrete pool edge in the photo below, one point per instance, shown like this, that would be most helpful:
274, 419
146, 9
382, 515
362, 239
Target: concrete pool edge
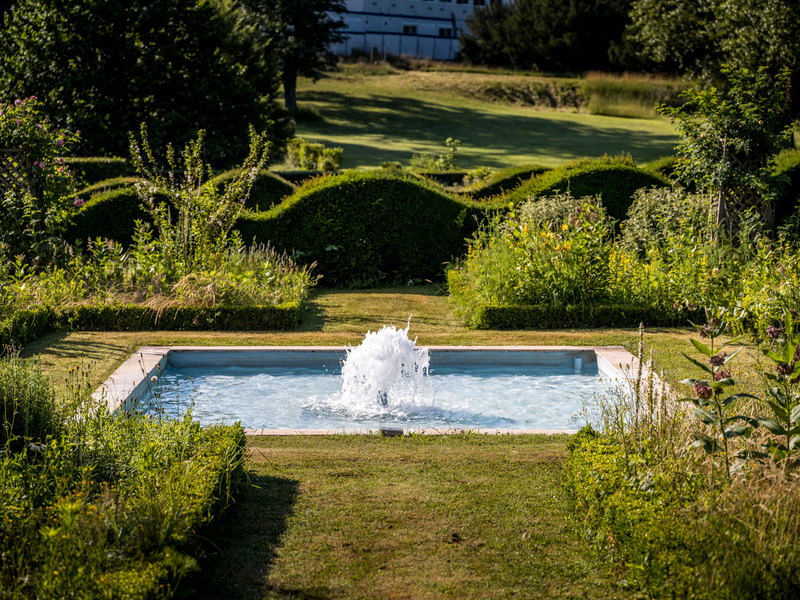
132, 380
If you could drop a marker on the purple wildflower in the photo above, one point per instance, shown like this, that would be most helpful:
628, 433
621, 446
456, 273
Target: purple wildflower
78, 202
784, 369
774, 332
718, 360
721, 374
702, 390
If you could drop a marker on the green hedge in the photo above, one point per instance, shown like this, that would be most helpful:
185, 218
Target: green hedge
615, 179
445, 178
131, 317
26, 326
299, 177
90, 170
505, 180
104, 186
268, 188
567, 317
108, 215
31, 324
367, 228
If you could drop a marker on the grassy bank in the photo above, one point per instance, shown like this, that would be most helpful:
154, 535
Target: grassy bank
387, 116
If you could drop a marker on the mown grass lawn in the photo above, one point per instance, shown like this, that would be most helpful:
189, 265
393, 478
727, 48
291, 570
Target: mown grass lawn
462, 515
388, 117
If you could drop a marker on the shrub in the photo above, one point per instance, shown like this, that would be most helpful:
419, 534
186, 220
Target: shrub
94, 169
365, 228
36, 206
114, 507
505, 180
438, 163
614, 179
659, 213
105, 185
110, 215
29, 411
303, 154
268, 188
664, 166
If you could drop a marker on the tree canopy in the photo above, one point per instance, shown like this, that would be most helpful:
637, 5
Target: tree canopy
698, 37
302, 32
177, 65
547, 35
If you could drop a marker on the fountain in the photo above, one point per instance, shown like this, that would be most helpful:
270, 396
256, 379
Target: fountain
387, 367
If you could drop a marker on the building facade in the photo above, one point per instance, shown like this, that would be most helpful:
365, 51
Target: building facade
418, 28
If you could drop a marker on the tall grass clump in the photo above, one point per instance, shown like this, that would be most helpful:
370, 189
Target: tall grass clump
629, 95
30, 412
698, 502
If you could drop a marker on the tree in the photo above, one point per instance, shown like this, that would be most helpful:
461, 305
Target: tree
178, 65
698, 37
729, 139
301, 32
550, 35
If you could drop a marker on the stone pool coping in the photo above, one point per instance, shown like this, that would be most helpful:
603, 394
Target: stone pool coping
133, 378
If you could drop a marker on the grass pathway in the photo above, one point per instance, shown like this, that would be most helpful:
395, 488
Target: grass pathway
350, 517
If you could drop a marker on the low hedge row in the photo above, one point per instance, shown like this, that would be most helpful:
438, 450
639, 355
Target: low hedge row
367, 228
547, 316
614, 179
31, 324
132, 317
92, 169
788, 169
26, 326
638, 518
505, 180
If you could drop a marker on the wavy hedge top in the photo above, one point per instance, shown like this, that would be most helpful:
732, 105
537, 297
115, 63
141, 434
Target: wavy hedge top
366, 228
615, 179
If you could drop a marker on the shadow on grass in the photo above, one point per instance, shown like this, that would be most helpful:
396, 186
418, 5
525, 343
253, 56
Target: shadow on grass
381, 117
246, 543
57, 345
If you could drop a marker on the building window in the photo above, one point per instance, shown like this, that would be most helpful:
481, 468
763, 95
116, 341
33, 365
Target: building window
462, 1
409, 30
479, 2
445, 32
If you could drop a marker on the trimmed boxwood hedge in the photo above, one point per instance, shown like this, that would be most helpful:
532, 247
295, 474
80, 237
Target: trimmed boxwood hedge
547, 316
365, 228
132, 317
92, 169
505, 180
31, 324
615, 179
108, 215
26, 326
268, 188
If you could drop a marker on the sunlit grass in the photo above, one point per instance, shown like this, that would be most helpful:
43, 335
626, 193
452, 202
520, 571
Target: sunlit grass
388, 117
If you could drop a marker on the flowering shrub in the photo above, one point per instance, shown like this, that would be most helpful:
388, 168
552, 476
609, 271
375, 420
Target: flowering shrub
34, 219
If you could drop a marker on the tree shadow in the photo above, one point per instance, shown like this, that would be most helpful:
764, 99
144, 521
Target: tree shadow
246, 542
519, 132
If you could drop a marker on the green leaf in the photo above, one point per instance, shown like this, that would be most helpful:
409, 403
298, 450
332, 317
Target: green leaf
772, 425
772, 355
738, 431
734, 397
701, 347
703, 366
796, 413
705, 416
777, 410
730, 357
794, 441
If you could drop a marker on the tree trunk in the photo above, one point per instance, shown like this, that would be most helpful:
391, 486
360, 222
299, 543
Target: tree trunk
290, 86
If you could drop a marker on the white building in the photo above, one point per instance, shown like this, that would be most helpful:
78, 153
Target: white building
418, 28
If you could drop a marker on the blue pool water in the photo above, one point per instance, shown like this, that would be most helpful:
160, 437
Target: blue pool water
303, 390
